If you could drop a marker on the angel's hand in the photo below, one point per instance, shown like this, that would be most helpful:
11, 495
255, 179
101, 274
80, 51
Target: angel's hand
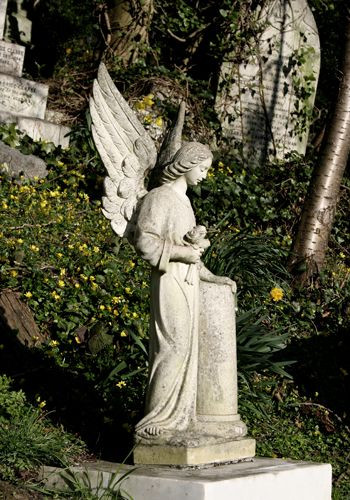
186, 254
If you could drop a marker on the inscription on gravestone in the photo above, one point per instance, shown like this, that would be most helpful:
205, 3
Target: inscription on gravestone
22, 97
258, 105
11, 58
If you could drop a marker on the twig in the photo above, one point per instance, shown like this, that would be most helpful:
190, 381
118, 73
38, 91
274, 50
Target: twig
182, 40
33, 225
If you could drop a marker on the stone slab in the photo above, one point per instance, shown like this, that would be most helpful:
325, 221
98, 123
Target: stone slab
11, 58
43, 130
261, 479
230, 451
22, 97
14, 163
3, 8
39, 129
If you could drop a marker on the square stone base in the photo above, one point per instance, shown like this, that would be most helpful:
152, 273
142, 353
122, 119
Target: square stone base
230, 451
260, 479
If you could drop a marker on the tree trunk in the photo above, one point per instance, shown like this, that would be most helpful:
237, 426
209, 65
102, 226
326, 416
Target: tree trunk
129, 22
311, 241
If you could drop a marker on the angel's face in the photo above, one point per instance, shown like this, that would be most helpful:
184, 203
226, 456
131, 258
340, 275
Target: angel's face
198, 173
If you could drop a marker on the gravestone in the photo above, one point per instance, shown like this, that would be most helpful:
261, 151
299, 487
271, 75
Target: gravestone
13, 163
22, 101
266, 102
11, 58
22, 97
18, 23
3, 8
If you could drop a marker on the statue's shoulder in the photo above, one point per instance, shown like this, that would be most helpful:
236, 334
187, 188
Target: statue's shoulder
159, 193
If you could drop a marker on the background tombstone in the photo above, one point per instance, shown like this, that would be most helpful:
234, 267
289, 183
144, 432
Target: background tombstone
267, 101
11, 58
3, 8
22, 97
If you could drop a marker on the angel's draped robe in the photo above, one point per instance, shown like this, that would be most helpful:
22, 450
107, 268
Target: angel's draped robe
164, 218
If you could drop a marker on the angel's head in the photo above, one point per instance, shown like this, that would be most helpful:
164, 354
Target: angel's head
193, 160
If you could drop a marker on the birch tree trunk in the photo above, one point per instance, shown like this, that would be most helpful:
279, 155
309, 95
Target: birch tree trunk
129, 22
311, 241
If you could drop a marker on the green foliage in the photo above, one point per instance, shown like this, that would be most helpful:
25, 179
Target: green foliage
78, 485
11, 402
288, 425
27, 438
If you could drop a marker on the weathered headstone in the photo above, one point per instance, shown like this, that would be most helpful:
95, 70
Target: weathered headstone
266, 102
18, 23
22, 97
11, 58
3, 8
14, 163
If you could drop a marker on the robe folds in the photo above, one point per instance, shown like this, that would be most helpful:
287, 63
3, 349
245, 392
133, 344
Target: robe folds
164, 218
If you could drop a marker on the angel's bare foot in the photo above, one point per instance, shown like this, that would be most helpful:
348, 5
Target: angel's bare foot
151, 430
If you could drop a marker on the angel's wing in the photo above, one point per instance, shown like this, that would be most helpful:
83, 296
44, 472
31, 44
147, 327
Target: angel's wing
126, 150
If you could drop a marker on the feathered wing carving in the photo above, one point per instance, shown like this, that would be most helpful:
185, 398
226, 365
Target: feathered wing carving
126, 150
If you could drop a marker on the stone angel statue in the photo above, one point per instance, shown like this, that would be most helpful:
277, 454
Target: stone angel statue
191, 396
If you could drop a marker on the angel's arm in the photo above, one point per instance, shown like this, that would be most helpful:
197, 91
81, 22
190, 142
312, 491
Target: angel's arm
151, 231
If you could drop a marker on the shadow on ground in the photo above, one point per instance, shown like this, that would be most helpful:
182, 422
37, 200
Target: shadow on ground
72, 400
323, 368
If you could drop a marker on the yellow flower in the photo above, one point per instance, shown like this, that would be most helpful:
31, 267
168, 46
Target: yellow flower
135, 315
70, 246
77, 285
96, 249
121, 384
55, 295
83, 277
4, 205
148, 100
34, 248
159, 121
68, 52
59, 255
43, 204
29, 295
13, 273
42, 404
54, 343
62, 271
102, 307
140, 105
276, 294
147, 119
77, 339
116, 300
123, 334
61, 283
115, 312
128, 290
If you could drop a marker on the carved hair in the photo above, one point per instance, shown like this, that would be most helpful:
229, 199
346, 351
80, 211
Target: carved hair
189, 156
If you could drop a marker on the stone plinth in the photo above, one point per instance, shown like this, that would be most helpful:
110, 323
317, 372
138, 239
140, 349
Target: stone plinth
261, 479
230, 451
11, 58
